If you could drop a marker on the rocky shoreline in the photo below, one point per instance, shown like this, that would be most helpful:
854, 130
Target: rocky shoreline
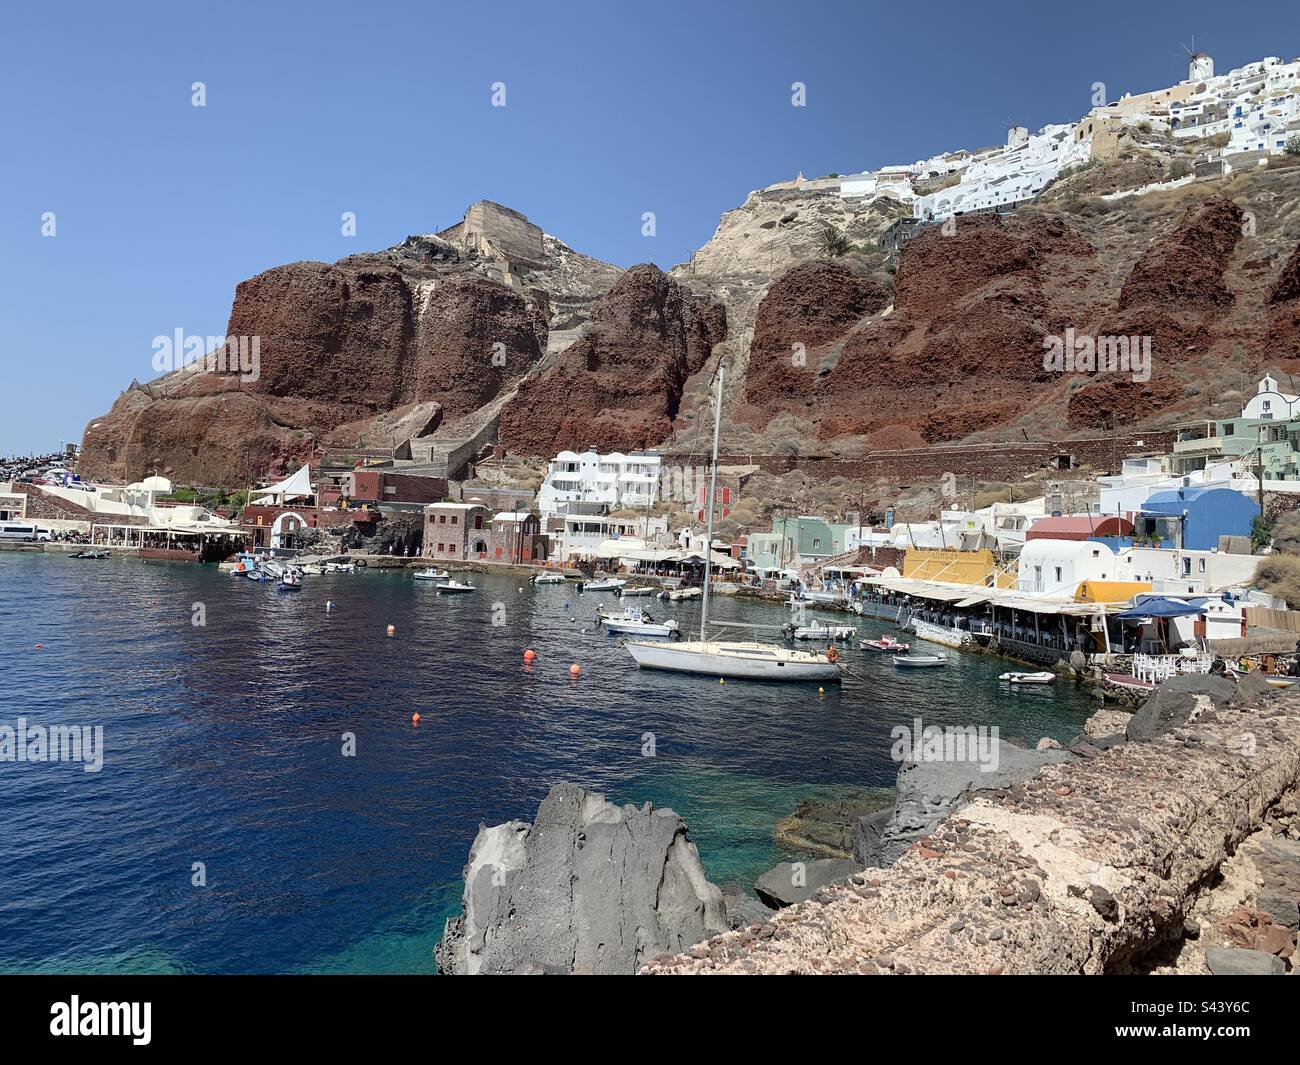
1167, 840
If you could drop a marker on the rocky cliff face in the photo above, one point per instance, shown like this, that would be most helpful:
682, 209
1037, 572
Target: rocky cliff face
944, 342
619, 386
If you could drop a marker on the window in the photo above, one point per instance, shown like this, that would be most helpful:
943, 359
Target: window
453, 519
442, 519
1058, 574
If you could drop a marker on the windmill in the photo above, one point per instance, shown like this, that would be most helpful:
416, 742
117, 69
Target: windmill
1200, 65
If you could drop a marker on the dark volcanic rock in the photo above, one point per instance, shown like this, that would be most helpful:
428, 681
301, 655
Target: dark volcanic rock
791, 882
588, 887
618, 387
868, 834
1173, 702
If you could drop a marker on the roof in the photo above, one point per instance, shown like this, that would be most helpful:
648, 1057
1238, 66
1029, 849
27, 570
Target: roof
457, 506
512, 515
1079, 527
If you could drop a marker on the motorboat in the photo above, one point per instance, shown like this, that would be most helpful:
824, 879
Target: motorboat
436, 575
887, 644
637, 622
339, 567
290, 581
818, 631
450, 587
919, 661
676, 595
314, 569
255, 574
743, 660
548, 578
609, 584
1043, 677
100, 553
643, 589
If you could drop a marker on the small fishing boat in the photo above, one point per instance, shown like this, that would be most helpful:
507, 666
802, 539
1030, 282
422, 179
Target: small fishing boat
314, 569
450, 587
676, 595
609, 584
435, 575
548, 578
102, 553
255, 575
1280, 682
339, 567
1043, 677
290, 581
886, 644
919, 661
638, 622
818, 631
643, 589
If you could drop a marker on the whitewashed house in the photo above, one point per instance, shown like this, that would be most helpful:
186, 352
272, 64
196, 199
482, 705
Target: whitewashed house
593, 483
1056, 568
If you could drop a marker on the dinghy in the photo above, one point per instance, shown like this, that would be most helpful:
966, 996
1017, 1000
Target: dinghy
886, 644
450, 587
1028, 678
548, 578
642, 590
919, 661
609, 584
435, 575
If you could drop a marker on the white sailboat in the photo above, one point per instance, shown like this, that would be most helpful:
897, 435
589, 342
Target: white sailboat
742, 659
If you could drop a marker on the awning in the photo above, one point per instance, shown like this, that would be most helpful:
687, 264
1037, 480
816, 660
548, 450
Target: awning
973, 600
297, 486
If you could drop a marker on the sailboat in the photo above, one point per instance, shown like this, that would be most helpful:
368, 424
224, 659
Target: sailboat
741, 659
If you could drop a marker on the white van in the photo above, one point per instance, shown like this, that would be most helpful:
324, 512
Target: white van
17, 530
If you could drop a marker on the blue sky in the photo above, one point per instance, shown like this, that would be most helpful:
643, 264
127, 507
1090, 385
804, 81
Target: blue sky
384, 109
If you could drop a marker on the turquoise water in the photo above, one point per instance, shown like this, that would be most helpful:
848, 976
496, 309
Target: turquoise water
223, 745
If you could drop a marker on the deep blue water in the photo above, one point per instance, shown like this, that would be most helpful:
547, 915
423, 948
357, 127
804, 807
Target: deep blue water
223, 745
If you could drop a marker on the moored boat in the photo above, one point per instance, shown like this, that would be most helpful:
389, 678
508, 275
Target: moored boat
547, 578
450, 587
887, 645
435, 575
637, 622
1042, 677
818, 631
609, 584
919, 661
742, 660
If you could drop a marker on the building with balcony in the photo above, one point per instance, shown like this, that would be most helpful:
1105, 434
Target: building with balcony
600, 483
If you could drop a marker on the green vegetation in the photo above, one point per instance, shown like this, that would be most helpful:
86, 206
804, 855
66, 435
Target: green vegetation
1292, 146
834, 243
1261, 532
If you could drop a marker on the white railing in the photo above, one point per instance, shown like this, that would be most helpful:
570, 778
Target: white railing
1155, 668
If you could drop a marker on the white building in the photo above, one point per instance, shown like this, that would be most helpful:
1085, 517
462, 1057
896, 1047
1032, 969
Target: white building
592, 483
1056, 568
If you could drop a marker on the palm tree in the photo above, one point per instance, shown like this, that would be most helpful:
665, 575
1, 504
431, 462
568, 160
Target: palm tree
834, 243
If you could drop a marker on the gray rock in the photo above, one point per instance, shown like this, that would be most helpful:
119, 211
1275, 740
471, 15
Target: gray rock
1251, 688
1235, 961
791, 882
867, 833
927, 792
742, 908
1281, 908
1173, 703
587, 887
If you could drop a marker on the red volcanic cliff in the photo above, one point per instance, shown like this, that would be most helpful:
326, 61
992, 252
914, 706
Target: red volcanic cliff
619, 385
807, 308
338, 345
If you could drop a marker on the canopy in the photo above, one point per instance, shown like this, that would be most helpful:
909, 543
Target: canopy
297, 486
1158, 606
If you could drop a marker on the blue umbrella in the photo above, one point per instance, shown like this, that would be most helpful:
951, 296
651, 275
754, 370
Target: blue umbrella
1158, 606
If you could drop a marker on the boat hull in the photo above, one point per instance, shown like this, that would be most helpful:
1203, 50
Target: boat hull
742, 662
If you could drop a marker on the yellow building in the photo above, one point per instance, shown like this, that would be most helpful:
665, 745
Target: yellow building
976, 568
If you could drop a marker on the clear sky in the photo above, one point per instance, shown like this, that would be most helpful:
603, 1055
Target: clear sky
384, 108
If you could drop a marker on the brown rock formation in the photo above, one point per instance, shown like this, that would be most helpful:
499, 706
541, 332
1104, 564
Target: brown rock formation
618, 387
811, 305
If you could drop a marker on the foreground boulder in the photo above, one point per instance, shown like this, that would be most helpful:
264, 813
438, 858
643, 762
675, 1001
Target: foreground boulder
1175, 702
791, 882
588, 887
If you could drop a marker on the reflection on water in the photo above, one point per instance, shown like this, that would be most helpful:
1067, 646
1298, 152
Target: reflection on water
223, 746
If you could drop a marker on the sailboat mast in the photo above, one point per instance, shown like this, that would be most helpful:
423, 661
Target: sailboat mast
713, 487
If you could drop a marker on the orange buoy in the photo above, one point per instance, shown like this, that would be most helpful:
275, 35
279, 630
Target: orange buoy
415, 719
40, 647
530, 655
575, 670
392, 630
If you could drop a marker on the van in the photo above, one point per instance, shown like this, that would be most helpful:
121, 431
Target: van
24, 531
